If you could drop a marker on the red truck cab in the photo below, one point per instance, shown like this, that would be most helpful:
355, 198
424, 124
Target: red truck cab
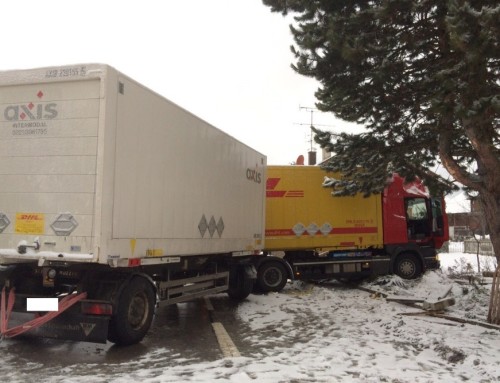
412, 218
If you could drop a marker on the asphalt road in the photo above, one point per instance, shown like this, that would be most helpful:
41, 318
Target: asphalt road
182, 332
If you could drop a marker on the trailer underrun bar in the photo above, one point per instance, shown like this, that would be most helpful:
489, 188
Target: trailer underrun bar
7, 304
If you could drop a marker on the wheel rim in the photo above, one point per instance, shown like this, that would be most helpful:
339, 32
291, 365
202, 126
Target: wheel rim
407, 268
138, 310
273, 277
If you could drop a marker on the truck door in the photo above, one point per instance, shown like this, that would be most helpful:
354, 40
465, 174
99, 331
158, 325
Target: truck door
439, 222
418, 218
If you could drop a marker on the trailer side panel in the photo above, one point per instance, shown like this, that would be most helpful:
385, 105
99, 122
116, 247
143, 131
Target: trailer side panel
301, 214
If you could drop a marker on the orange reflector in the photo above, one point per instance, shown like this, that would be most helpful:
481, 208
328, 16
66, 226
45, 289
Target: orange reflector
97, 308
134, 262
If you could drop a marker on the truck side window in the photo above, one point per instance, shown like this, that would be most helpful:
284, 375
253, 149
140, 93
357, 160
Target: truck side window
417, 218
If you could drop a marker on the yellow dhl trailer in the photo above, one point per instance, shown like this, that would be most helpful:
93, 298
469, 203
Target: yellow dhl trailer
312, 234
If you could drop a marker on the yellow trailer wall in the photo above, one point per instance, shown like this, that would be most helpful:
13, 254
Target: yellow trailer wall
301, 214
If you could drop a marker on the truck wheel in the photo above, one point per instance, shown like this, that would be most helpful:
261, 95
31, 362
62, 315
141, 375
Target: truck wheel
271, 276
408, 266
134, 313
240, 287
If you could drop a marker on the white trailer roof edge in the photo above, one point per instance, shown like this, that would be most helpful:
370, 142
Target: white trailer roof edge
92, 70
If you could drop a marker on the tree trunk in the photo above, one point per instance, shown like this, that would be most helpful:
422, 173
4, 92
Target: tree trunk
489, 198
491, 209
494, 310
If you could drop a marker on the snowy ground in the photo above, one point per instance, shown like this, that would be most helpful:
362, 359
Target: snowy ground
348, 335
332, 333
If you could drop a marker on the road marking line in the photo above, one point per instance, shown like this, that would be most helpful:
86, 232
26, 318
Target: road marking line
226, 344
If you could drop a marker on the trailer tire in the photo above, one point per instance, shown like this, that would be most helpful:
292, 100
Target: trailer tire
241, 287
271, 276
134, 312
408, 266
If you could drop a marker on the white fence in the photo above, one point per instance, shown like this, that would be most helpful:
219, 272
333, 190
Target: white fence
485, 246
470, 246
455, 247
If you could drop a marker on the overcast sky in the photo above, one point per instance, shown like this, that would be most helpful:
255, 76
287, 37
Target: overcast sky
227, 61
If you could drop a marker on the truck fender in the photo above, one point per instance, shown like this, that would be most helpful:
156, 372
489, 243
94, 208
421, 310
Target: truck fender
259, 260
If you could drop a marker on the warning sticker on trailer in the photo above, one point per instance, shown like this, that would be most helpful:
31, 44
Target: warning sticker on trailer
154, 252
30, 223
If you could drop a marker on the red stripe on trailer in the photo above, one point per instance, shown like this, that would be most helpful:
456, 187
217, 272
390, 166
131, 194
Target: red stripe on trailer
354, 230
334, 231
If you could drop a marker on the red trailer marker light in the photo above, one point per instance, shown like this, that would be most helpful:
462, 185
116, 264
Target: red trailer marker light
134, 262
97, 308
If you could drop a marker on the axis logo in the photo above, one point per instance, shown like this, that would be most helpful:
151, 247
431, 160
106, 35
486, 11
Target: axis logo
254, 175
31, 111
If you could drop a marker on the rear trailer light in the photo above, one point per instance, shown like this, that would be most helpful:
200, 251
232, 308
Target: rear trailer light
97, 308
134, 262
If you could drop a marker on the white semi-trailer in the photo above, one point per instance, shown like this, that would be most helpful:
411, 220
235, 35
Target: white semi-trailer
112, 199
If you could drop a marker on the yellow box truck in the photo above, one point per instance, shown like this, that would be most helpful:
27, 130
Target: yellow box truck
312, 234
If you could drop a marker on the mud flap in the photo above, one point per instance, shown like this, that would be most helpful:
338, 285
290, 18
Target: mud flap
67, 326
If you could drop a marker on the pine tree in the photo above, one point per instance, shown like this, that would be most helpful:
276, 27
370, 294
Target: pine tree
421, 75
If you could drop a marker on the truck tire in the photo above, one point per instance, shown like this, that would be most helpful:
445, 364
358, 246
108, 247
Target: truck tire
271, 276
240, 287
134, 312
408, 266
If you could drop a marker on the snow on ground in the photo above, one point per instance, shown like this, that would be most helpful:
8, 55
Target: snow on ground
342, 334
333, 333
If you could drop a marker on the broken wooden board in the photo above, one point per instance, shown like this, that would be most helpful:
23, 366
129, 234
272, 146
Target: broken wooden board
404, 300
438, 305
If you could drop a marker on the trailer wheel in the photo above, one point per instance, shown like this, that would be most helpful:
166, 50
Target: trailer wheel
407, 266
241, 286
271, 276
134, 313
